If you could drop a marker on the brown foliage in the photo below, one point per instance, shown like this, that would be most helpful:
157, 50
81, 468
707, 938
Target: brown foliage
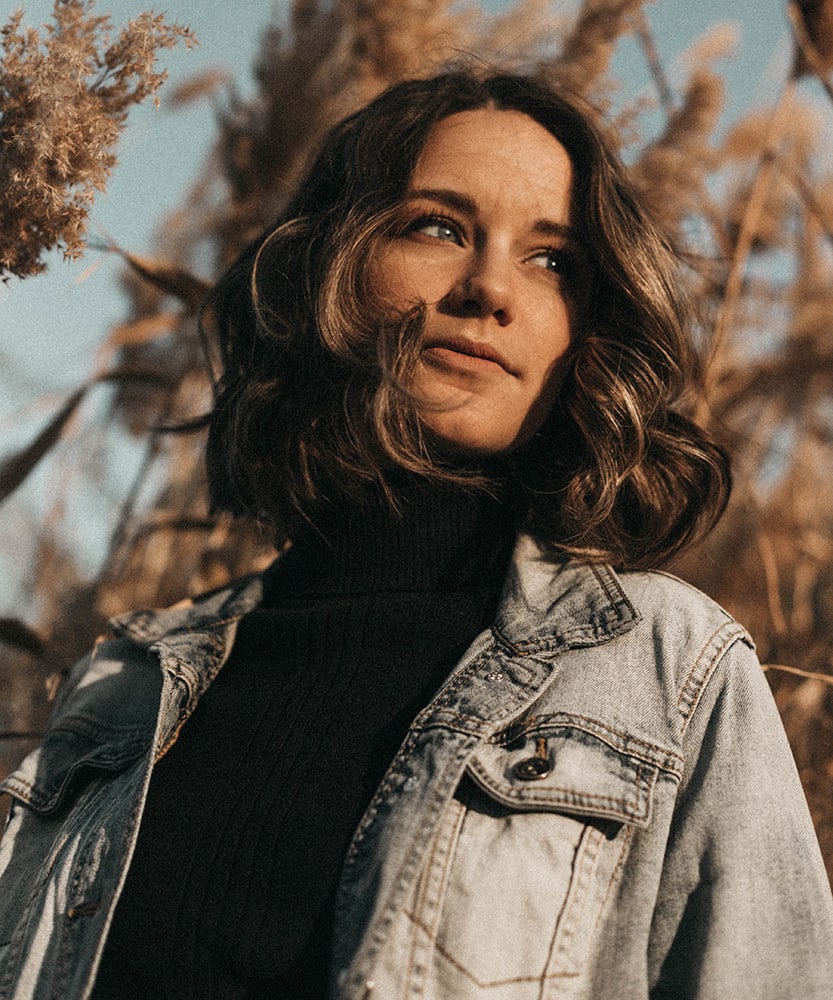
816, 18
14, 470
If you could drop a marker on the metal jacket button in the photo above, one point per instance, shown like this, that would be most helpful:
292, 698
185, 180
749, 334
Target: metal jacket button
534, 768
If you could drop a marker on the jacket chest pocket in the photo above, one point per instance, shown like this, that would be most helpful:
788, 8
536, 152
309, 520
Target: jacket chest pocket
524, 864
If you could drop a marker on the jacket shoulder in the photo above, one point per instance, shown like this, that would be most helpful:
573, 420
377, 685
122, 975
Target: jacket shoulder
693, 641
659, 595
648, 679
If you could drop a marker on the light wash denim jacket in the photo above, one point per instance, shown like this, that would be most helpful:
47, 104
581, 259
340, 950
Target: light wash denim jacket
599, 803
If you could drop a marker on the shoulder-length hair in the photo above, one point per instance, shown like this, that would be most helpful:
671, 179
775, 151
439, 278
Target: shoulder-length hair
314, 398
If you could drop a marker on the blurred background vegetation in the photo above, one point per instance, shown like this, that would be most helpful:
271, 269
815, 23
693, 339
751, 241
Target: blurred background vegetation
751, 207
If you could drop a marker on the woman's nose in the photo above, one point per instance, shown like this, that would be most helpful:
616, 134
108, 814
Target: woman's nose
484, 289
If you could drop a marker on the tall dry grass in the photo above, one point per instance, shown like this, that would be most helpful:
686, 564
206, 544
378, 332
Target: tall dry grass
751, 206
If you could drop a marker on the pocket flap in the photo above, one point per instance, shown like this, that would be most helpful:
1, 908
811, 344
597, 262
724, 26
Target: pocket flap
105, 723
572, 765
46, 776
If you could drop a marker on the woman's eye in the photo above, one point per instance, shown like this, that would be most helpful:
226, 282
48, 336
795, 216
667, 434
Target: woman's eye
552, 260
438, 229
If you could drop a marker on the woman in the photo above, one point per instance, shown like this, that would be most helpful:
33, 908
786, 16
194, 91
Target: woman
451, 753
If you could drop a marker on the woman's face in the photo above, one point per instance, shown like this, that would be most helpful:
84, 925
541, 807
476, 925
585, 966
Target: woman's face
487, 247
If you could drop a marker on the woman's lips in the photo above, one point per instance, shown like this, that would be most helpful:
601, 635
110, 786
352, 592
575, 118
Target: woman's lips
469, 355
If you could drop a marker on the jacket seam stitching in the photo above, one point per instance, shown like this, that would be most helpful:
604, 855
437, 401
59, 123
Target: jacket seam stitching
703, 668
629, 806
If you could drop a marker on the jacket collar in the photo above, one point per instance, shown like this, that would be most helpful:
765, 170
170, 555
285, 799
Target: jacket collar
546, 604
550, 604
209, 612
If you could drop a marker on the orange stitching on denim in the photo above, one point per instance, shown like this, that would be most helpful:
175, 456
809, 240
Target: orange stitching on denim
687, 700
443, 698
450, 854
587, 855
421, 924
418, 906
533, 799
515, 731
625, 737
500, 982
618, 599
695, 664
20, 781
626, 839
517, 648
564, 720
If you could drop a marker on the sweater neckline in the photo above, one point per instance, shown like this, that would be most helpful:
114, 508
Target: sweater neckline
445, 537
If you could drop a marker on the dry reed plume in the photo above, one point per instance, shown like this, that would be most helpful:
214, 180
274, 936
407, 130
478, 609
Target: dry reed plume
64, 98
752, 210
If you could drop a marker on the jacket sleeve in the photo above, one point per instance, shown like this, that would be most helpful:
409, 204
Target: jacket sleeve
27, 839
745, 908
76, 803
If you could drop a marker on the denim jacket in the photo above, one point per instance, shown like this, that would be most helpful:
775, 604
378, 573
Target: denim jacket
599, 803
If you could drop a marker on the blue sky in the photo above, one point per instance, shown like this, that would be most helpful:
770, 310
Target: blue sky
51, 325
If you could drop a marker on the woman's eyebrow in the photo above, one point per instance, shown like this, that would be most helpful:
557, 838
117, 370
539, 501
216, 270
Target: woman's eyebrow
462, 203
454, 199
556, 230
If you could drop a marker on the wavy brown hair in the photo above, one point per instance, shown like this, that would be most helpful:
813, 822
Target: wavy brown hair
314, 401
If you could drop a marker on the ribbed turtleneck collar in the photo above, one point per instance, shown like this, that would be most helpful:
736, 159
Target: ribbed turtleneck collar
445, 537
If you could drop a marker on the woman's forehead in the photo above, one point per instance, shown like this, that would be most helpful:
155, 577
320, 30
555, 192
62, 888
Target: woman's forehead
497, 156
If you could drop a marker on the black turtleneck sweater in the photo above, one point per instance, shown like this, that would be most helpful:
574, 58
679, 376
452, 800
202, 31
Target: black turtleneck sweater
249, 815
